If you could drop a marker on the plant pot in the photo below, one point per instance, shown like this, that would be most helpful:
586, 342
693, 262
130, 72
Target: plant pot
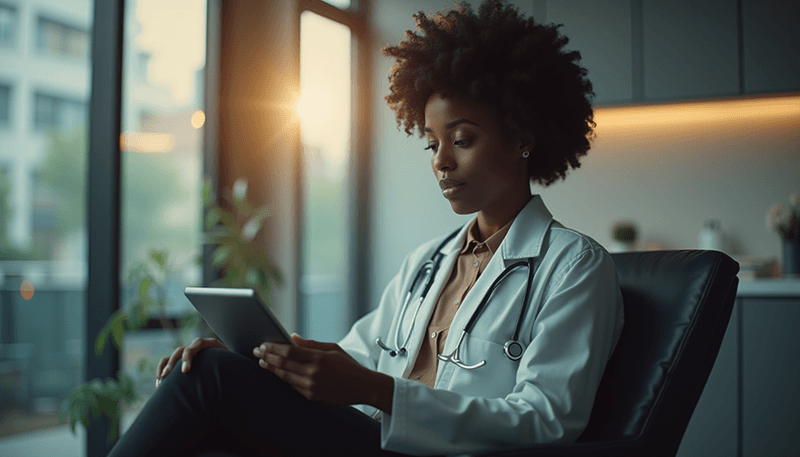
791, 257
621, 246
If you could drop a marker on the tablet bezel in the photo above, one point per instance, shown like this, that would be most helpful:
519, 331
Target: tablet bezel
238, 317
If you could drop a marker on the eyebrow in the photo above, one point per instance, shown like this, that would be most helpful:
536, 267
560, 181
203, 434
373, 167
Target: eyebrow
454, 123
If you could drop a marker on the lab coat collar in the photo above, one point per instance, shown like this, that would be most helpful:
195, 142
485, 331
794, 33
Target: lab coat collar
525, 237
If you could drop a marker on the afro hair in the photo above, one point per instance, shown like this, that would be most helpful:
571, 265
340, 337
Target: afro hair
510, 63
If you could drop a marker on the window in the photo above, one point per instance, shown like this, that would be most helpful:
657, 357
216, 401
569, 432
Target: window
8, 25
5, 104
162, 167
43, 263
54, 111
325, 112
61, 39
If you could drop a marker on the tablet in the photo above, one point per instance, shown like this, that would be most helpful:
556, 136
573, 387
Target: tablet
239, 317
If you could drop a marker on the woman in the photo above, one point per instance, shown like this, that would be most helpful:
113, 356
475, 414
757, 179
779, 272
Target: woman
500, 104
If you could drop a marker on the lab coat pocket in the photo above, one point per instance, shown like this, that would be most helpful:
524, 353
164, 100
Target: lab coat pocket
495, 379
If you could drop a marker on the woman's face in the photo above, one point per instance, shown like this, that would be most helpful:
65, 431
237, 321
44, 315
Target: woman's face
478, 169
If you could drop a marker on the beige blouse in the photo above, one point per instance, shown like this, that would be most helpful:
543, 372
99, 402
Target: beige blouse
471, 262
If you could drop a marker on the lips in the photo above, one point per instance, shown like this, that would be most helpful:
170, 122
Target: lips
450, 187
449, 183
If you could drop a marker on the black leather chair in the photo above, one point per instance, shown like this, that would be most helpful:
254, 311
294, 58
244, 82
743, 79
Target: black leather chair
677, 307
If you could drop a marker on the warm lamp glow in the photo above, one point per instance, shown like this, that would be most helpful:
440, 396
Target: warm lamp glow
146, 142
198, 119
730, 112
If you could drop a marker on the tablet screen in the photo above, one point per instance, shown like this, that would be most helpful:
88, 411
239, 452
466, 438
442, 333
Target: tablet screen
239, 317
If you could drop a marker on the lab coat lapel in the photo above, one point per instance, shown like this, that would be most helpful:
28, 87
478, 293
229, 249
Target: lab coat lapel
523, 240
426, 310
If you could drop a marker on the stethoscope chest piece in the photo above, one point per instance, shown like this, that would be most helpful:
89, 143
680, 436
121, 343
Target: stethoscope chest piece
513, 350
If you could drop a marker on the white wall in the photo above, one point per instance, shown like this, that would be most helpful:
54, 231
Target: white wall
668, 178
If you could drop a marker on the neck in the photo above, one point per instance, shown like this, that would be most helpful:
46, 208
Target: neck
490, 220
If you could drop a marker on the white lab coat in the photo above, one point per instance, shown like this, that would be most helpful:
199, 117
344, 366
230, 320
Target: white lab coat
569, 331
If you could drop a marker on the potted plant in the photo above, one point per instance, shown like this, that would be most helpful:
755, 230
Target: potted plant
786, 221
242, 262
624, 235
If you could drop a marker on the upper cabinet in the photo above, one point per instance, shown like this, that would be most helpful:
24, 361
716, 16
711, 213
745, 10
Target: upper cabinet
689, 49
605, 50
668, 50
771, 32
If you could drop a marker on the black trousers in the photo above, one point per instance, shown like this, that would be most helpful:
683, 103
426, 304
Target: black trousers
227, 402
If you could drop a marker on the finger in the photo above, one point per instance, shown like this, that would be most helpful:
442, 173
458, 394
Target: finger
160, 369
287, 351
189, 352
173, 359
285, 364
295, 380
313, 344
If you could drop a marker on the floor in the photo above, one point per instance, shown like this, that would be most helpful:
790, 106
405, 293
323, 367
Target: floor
57, 441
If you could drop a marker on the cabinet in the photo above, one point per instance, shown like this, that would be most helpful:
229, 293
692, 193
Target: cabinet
770, 408
671, 50
771, 39
689, 49
605, 51
751, 404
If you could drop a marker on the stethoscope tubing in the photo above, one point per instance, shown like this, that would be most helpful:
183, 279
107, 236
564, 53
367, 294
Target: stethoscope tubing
513, 348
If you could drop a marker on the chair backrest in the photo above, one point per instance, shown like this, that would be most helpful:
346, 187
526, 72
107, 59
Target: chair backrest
677, 307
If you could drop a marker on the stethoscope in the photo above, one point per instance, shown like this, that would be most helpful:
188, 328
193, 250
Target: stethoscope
512, 348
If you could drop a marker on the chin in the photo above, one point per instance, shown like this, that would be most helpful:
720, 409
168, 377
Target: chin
461, 208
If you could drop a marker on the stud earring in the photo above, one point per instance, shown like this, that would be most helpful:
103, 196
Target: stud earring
525, 154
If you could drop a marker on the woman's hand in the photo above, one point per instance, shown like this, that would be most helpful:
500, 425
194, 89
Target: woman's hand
185, 353
325, 373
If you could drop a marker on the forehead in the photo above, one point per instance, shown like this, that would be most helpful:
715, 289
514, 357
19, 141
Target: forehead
441, 110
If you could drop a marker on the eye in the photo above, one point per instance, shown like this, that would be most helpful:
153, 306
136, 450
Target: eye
432, 147
461, 143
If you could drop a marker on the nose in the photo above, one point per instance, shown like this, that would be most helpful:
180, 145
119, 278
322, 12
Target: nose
442, 159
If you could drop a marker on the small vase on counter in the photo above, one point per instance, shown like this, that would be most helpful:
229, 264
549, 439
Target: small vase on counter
710, 238
791, 257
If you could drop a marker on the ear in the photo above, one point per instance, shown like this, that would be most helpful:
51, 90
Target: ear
526, 142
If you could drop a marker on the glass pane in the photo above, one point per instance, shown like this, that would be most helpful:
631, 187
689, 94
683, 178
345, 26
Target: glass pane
324, 112
44, 96
341, 4
162, 121
8, 25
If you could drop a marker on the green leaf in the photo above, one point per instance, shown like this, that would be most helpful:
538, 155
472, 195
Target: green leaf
251, 277
240, 190
144, 287
94, 406
208, 193
212, 218
251, 228
159, 257
220, 256
100, 342
118, 330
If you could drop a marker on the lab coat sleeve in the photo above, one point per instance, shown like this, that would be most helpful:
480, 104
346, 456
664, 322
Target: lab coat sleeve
571, 340
359, 342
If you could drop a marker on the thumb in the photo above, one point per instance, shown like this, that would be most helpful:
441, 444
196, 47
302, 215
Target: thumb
312, 344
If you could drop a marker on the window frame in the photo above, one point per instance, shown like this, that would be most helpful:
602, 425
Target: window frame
357, 229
